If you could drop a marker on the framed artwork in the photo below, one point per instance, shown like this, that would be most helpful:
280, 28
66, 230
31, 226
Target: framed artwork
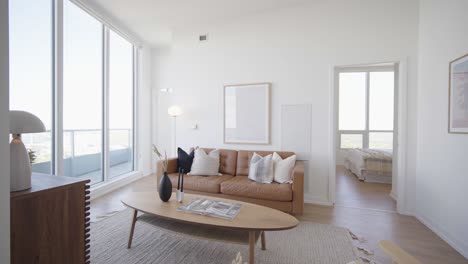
458, 95
247, 113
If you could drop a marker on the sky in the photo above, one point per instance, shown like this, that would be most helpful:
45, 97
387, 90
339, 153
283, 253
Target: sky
31, 67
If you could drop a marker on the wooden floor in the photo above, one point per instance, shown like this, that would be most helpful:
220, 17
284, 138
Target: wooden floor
352, 192
374, 225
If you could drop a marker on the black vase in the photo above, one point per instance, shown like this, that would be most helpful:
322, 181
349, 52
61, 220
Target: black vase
165, 188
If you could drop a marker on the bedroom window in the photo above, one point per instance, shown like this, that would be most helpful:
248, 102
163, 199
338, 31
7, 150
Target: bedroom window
366, 108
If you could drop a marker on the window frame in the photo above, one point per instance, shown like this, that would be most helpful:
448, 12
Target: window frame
107, 42
57, 88
51, 21
365, 133
106, 28
106, 164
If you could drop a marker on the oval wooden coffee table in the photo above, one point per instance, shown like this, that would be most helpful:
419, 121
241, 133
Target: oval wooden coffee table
253, 220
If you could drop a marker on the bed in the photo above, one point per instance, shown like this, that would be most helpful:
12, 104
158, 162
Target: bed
370, 165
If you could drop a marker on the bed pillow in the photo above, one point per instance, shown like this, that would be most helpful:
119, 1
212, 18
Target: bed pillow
205, 164
261, 168
185, 160
283, 168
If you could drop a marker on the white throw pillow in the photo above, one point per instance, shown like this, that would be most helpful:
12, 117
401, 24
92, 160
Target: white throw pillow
205, 164
261, 168
283, 168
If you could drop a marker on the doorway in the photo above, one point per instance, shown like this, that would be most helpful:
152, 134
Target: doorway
366, 140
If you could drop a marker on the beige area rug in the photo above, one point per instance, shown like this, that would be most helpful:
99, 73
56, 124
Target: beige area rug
307, 243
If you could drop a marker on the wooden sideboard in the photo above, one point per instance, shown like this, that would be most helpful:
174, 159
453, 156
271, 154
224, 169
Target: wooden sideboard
50, 221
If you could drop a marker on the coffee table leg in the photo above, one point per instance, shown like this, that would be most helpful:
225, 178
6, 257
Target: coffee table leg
252, 247
263, 241
132, 228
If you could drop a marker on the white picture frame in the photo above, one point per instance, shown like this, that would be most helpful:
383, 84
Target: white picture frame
458, 96
247, 114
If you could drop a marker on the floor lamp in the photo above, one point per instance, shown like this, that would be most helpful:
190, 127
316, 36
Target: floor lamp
174, 111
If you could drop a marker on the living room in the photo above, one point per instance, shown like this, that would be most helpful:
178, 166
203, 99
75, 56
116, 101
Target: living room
198, 60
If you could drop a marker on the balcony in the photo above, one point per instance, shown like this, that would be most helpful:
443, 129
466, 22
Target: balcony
82, 153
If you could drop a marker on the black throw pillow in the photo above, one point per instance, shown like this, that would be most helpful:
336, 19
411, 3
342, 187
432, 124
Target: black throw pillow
184, 160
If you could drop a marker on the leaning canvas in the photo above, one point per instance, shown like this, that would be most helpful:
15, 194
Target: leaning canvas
458, 95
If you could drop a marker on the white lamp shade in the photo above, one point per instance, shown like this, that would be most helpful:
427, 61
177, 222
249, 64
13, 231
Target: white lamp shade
22, 122
174, 111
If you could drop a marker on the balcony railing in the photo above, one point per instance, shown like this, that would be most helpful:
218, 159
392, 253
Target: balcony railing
82, 153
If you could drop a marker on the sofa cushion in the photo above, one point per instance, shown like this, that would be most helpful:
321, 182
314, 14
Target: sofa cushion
242, 186
205, 163
261, 168
244, 157
209, 184
283, 168
185, 160
227, 161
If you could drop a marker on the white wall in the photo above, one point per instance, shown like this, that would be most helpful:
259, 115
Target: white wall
340, 156
294, 48
442, 168
4, 138
162, 123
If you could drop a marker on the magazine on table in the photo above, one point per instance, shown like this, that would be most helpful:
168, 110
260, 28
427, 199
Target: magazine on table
211, 208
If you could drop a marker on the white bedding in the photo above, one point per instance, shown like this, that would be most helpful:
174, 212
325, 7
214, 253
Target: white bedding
371, 165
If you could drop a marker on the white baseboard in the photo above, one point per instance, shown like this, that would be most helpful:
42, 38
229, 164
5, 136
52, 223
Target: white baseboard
102, 189
458, 245
318, 200
148, 172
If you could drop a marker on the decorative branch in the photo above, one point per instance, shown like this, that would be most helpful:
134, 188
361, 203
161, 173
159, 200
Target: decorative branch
164, 159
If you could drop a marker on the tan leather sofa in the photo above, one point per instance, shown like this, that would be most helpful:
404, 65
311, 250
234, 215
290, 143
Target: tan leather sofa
234, 183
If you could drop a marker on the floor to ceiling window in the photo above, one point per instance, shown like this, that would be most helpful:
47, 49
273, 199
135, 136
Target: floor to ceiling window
120, 104
381, 109
82, 94
366, 108
31, 78
96, 125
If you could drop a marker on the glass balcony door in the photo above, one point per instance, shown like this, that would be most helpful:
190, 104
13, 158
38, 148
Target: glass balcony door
82, 95
121, 82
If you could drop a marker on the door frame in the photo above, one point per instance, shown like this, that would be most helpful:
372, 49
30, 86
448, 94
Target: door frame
399, 140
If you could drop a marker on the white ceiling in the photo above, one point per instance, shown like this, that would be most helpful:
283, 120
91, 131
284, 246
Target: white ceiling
154, 20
